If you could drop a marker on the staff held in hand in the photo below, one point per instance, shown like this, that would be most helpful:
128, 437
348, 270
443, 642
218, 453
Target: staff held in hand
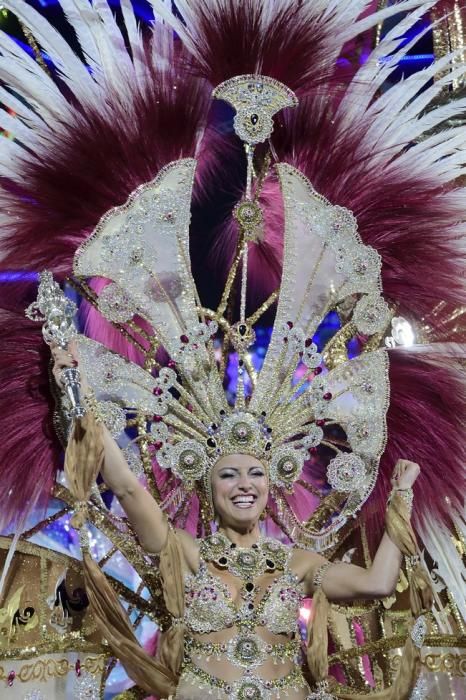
53, 308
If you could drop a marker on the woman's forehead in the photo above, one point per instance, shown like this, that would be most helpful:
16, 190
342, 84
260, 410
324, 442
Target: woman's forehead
237, 461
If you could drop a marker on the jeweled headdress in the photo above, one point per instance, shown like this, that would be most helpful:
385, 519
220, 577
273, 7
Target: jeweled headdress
86, 126
303, 405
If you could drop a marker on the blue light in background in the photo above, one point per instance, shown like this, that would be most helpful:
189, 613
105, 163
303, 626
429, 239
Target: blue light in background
141, 8
11, 276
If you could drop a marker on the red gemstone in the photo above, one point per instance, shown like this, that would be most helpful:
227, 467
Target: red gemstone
289, 324
320, 422
318, 370
184, 338
11, 678
158, 445
308, 342
172, 364
313, 450
77, 667
158, 391
327, 396
157, 419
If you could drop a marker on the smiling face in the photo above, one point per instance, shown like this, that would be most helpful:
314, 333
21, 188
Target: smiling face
240, 490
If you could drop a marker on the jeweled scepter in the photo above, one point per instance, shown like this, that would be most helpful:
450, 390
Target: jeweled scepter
57, 311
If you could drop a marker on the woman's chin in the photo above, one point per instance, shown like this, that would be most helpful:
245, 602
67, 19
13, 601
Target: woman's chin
244, 515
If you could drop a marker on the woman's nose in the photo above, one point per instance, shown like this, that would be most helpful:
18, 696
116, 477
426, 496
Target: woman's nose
244, 483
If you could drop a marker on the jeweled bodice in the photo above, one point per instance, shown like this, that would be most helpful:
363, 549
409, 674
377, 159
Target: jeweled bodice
209, 607
237, 646
208, 603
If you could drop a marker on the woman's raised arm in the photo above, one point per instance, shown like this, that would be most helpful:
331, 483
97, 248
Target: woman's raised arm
345, 582
143, 512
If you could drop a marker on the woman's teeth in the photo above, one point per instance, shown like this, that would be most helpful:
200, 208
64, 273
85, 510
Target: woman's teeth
244, 501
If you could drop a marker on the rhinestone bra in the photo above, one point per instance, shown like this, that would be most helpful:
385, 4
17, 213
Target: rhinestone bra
209, 607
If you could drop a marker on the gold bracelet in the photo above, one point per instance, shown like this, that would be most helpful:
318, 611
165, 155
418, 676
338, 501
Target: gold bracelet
406, 495
320, 573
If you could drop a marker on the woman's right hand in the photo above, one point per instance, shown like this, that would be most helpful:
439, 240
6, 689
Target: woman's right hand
62, 359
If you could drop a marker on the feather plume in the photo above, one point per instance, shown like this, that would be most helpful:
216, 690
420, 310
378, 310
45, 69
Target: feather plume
29, 450
364, 149
227, 38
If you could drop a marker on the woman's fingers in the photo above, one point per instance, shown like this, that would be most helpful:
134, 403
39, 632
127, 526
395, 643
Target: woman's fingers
62, 359
405, 473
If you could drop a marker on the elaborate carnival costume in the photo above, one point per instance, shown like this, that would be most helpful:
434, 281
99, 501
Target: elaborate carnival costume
346, 198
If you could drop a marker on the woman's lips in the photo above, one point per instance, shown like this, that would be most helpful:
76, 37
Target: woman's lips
244, 501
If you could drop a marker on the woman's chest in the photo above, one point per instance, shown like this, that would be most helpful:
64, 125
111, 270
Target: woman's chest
216, 600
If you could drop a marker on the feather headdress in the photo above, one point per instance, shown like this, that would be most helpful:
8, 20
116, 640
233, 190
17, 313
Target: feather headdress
86, 135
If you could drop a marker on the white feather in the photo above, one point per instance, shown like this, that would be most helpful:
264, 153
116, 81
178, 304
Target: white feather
119, 70
72, 69
135, 40
16, 128
437, 540
10, 155
377, 17
77, 12
162, 11
24, 74
41, 94
411, 96
20, 108
373, 74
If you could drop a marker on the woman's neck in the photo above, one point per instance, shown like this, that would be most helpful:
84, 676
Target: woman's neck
244, 538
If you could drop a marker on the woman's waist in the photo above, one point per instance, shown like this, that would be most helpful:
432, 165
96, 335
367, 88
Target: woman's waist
241, 683
229, 658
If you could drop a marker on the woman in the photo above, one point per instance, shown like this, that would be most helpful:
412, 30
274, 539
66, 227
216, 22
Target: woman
243, 590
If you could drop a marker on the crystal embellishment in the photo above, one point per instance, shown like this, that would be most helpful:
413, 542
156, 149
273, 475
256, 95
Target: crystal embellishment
113, 416
419, 631
247, 651
115, 304
86, 687
419, 691
321, 692
256, 98
286, 465
372, 314
346, 472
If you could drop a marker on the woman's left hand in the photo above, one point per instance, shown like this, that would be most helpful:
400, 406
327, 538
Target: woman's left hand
405, 474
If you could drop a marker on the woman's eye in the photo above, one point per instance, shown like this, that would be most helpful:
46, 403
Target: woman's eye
226, 475
259, 472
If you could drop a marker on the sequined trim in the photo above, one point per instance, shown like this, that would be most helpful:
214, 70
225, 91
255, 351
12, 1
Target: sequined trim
245, 650
249, 687
320, 573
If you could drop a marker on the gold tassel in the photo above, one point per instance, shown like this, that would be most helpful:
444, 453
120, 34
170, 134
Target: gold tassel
317, 650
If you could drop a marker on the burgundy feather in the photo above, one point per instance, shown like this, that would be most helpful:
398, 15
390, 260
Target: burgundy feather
290, 43
425, 424
94, 162
29, 449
